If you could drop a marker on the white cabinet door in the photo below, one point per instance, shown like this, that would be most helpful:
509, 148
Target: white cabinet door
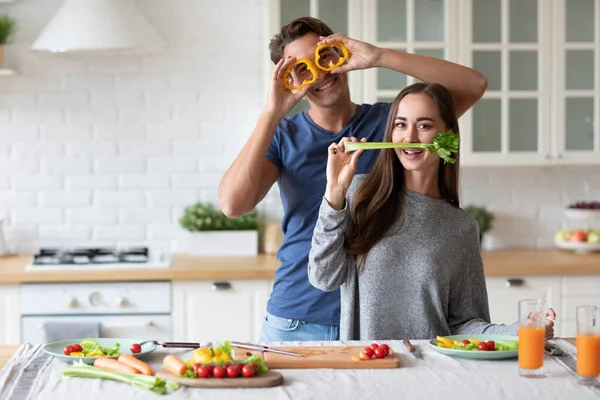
576, 291
10, 323
219, 310
504, 294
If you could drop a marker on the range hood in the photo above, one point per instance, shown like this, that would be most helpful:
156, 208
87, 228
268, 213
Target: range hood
92, 25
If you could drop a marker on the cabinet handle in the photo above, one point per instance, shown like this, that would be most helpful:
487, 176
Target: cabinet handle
548, 157
221, 286
514, 282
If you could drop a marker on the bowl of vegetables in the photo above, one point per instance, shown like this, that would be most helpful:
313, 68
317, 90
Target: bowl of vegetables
89, 349
477, 346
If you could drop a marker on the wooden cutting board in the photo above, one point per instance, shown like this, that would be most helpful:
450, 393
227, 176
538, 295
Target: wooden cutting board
321, 357
268, 379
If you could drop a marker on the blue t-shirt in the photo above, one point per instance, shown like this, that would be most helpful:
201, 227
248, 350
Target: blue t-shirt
299, 150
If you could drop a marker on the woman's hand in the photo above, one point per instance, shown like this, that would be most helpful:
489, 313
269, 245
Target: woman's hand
550, 318
362, 55
341, 167
279, 99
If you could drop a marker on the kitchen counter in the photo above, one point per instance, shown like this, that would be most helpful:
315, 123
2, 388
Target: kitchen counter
185, 267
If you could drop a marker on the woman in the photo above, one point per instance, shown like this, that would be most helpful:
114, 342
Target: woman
406, 257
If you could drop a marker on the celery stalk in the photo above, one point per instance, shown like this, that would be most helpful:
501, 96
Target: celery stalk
353, 146
152, 383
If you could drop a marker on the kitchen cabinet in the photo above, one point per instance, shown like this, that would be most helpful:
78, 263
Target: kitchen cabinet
10, 318
219, 310
541, 59
504, 294
576, 291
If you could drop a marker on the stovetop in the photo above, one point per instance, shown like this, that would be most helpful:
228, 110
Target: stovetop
101, 257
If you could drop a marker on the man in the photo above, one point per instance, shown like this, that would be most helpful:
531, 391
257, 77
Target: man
293, 152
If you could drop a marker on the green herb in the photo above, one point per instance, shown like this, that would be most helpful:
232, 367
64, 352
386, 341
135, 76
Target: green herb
262, 367
147, 382
443, 143
7, 28
205, 217
189, 373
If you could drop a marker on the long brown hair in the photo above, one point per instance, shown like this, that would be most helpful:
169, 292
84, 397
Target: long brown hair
380, 199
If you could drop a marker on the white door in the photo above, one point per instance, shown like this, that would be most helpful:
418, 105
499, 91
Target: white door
504, 294
220, 310
9, 315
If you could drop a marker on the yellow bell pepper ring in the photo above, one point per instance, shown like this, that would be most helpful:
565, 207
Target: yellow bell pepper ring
331, 65
288, 71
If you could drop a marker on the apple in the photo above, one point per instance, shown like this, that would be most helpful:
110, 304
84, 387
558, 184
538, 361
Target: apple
594, 237
562, 235
578, 236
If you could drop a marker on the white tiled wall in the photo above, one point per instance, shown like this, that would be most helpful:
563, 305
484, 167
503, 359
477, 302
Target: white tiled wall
109, 148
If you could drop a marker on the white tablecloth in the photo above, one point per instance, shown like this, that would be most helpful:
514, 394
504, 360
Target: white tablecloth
436, 376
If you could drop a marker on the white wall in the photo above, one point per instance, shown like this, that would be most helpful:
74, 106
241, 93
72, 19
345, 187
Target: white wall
108, 149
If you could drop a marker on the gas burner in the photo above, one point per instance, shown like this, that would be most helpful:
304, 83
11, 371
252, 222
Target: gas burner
96, 256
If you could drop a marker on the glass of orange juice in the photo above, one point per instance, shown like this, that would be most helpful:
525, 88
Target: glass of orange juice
532, 321
588, 345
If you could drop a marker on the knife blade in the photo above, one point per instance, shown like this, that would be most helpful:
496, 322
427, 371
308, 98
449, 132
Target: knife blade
258, 347
412, 349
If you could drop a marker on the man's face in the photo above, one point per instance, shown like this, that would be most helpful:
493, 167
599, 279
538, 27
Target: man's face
328, 89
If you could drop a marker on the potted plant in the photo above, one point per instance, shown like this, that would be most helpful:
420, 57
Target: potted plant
483, 217
209, 232
7, 29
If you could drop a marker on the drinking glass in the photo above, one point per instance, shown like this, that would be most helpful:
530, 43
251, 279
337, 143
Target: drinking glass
532, 321
588, 345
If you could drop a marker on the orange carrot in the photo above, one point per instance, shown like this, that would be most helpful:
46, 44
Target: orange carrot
111, 364
174, 365
136, 364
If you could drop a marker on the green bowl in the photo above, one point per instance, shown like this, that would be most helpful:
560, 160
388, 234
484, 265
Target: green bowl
56, 349
477, 354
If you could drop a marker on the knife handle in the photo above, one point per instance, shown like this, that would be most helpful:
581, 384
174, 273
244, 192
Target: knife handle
408, 345
182, 345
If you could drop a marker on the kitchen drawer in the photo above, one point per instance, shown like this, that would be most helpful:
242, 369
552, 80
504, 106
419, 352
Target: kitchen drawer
581, 286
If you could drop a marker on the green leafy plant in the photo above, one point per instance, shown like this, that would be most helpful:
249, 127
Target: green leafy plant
205, 217
483, 217
7, 28
445, 144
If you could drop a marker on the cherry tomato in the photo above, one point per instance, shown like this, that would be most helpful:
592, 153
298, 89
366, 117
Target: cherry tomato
77, 347
248, 371
367, 351
219, 372
482, 346
68, 350
254, 366
374, 346
195, 367
379, 352
135, 348
232, 371
491, 345
210, 368
386, 348
203, 372
466, 342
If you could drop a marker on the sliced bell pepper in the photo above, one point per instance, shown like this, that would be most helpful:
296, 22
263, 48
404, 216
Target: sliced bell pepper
288, 71
331, 66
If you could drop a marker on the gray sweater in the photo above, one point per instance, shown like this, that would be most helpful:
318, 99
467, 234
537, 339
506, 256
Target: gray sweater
423, 279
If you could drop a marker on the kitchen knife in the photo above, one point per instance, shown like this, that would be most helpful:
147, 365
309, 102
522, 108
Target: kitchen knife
412, 349
257, 347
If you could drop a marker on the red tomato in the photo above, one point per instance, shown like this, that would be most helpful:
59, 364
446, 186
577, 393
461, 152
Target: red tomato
491, 345
482, 346
135, 348
254, 366
68, 350
374, 346
232, 371
367, 351
195, 367
219, 372
379, 352
77, 347
203, 372
248, 371
386, 348
466, 342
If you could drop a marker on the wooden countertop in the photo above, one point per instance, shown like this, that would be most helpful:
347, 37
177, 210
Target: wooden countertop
185, 267
7, 351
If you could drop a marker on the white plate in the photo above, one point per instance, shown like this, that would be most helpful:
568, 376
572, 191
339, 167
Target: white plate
578, 247
582, 213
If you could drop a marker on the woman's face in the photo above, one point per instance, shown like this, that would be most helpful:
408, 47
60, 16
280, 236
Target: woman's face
417, 121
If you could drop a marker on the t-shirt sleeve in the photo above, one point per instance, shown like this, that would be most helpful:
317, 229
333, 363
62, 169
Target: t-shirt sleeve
274, 152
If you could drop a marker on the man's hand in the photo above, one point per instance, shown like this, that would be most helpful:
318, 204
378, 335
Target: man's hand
550, 318
280, 100
362, 55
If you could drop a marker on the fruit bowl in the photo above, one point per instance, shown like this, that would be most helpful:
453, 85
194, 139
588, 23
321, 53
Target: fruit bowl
583, 210
578, 247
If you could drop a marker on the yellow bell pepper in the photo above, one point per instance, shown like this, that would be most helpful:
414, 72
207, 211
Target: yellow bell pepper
288, 71
76, 354
201, 356
473, 341
331, 66
444, 345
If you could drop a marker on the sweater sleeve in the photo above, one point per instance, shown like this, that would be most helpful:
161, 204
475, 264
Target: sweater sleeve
328, 260
469, 309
